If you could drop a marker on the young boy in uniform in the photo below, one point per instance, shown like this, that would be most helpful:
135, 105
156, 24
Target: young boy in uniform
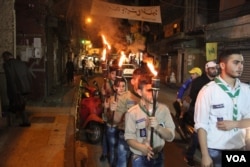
112, 130
107, 91
125, 102
138, 123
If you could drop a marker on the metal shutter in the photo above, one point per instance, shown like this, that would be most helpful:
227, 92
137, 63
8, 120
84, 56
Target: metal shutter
246, 72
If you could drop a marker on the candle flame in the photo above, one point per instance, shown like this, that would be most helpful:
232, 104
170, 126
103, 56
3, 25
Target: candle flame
122, 58
104, 51
152, 69
106, 42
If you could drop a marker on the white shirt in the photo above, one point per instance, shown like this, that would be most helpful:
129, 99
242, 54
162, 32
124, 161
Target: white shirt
213, 102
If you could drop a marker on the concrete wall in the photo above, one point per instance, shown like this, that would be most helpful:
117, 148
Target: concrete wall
228, 30
7, 40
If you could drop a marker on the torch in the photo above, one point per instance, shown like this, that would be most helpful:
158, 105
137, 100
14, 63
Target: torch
106, 42
155, 90
120, 70
119, 73
104, 59
107, 46
105, 69
104, 66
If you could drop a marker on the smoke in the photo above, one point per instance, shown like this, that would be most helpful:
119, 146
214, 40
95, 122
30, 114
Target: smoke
114, 32
117, 31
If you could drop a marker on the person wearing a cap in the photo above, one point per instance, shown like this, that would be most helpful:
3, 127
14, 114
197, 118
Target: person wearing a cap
182, 102
211, 72
194, 73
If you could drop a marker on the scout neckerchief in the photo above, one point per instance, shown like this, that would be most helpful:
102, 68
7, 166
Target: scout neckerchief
144, 110
231, 95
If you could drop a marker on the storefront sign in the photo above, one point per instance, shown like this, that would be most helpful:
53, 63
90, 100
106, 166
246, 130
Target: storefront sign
211, 51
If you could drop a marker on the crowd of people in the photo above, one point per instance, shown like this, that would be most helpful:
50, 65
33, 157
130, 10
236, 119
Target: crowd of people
89, 66
218, 108
215, 101
129, 121
209, 101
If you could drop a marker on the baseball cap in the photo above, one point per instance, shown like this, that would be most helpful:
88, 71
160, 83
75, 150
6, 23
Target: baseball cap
196, 70
210, 64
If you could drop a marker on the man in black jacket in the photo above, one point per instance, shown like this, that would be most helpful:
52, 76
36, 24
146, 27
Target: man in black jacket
211, 72
18, 81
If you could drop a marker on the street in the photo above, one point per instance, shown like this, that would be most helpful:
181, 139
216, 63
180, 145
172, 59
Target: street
173, 151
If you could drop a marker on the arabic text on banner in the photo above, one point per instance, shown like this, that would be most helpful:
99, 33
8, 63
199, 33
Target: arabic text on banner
146, 13
211, 51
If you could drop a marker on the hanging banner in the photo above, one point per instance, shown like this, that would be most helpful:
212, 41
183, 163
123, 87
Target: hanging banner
146, 13
211, 51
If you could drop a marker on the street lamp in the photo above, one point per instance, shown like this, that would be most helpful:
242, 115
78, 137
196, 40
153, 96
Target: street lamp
88, 20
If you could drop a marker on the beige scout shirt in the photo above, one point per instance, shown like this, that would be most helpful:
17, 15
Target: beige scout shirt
125, 102
135, 126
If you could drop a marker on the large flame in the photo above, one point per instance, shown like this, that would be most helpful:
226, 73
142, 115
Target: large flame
106, 42
122, 58
152, 69
104, 52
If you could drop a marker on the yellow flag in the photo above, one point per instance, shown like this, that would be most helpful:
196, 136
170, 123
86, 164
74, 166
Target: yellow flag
211, 51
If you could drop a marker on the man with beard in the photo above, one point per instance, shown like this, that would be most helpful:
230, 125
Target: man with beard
197, 84
138, 124
222, 111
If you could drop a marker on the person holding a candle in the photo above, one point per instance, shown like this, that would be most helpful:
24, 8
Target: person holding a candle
138, 124
222, 110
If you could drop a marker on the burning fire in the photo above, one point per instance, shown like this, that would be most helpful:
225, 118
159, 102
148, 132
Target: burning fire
152, 69
122, 58
106, 42
104, 52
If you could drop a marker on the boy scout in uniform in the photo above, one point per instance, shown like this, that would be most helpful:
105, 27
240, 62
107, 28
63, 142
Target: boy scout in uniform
138, 123
107, 91
125, 102
107, 87
112, 130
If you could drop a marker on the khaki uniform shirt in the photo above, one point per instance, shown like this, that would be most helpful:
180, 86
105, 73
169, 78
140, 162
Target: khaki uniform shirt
124, 102
136, 127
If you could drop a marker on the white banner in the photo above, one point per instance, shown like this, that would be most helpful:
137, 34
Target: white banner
145, 13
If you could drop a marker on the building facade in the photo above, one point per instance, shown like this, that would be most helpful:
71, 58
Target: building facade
183, 43
36, 32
